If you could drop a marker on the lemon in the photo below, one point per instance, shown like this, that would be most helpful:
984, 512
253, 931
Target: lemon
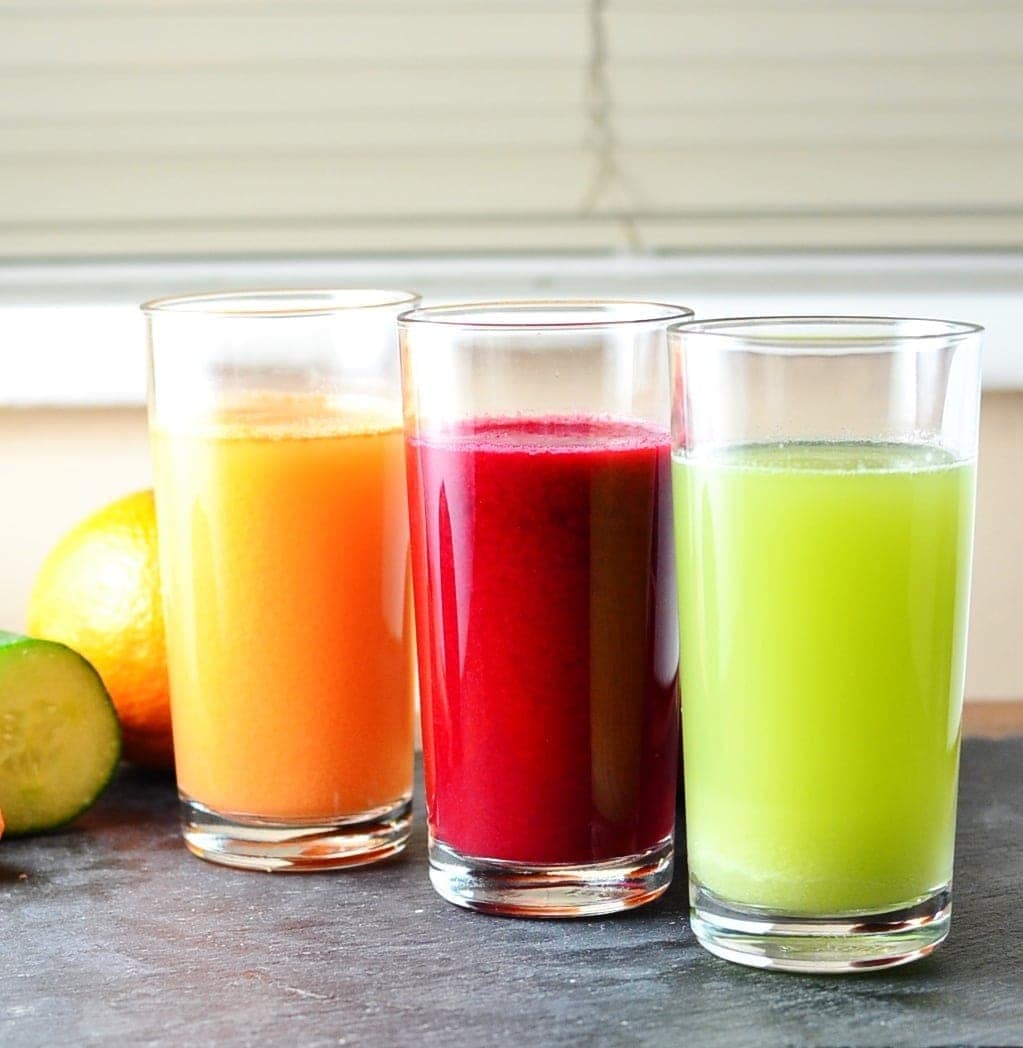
98, 592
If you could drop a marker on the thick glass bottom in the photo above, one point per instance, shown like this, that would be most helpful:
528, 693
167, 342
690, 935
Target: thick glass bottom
264, 844
849, 943
513, 889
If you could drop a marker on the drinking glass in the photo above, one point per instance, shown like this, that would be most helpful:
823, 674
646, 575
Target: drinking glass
275, 420
824, 487
540, 502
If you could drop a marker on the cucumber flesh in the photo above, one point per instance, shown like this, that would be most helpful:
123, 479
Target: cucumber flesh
60, 740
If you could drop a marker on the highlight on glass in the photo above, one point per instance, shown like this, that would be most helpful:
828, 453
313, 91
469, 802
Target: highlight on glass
824, 472
540, 501
276, 430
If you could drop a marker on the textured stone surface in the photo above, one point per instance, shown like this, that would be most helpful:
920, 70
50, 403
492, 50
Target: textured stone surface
112, 933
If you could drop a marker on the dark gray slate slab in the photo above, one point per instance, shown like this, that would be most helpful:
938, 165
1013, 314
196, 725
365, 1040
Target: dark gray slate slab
112, 933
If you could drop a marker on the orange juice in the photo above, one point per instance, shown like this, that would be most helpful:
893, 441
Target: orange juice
284, 550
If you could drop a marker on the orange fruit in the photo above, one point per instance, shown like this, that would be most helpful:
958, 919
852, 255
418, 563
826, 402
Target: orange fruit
98, 592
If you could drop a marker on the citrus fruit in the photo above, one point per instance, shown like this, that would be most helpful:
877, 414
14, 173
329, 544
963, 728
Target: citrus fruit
98, 592
59, 736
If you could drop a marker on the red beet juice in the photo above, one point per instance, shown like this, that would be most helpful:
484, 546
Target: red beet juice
548, 644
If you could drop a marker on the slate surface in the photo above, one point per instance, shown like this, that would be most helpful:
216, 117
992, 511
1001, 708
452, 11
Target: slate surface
112, 933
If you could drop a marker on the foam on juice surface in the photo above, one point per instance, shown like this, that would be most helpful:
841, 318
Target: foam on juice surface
548, 434
823, 457
288, 416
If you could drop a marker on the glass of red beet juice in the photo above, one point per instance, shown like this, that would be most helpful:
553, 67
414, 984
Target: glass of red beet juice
538, 451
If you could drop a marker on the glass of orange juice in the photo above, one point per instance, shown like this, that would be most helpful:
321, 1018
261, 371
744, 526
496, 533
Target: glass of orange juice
275, 421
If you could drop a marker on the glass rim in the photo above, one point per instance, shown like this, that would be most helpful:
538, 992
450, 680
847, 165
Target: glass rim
460, 314
255, 302
749, 332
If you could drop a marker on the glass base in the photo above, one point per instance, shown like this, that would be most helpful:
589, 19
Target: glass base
853, 943
513, 889
249, 843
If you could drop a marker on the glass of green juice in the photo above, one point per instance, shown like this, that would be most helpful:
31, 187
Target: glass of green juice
824, 474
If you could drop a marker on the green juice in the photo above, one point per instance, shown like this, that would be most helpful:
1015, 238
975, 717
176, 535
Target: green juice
823, 597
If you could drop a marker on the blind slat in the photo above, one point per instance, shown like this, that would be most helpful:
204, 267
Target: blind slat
837, 179
502, 183
334, 137
204, 188
167, 38
890, 31
337, 136
360, 90
661, 86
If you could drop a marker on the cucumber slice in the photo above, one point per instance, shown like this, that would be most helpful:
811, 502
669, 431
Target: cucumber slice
60, 740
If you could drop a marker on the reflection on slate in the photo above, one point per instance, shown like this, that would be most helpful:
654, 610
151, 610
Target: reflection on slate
114, 933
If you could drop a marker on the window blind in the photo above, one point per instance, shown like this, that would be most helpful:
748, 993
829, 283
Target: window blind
182, 127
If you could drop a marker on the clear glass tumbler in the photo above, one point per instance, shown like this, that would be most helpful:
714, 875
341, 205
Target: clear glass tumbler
276, 430
540, 500
824, 487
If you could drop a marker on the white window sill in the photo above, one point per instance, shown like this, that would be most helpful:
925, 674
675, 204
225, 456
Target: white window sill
72, 334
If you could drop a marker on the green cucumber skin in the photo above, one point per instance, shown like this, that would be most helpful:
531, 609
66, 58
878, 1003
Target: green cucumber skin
10, 640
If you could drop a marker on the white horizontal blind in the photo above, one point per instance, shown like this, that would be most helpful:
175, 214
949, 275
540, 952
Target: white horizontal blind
164, 127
